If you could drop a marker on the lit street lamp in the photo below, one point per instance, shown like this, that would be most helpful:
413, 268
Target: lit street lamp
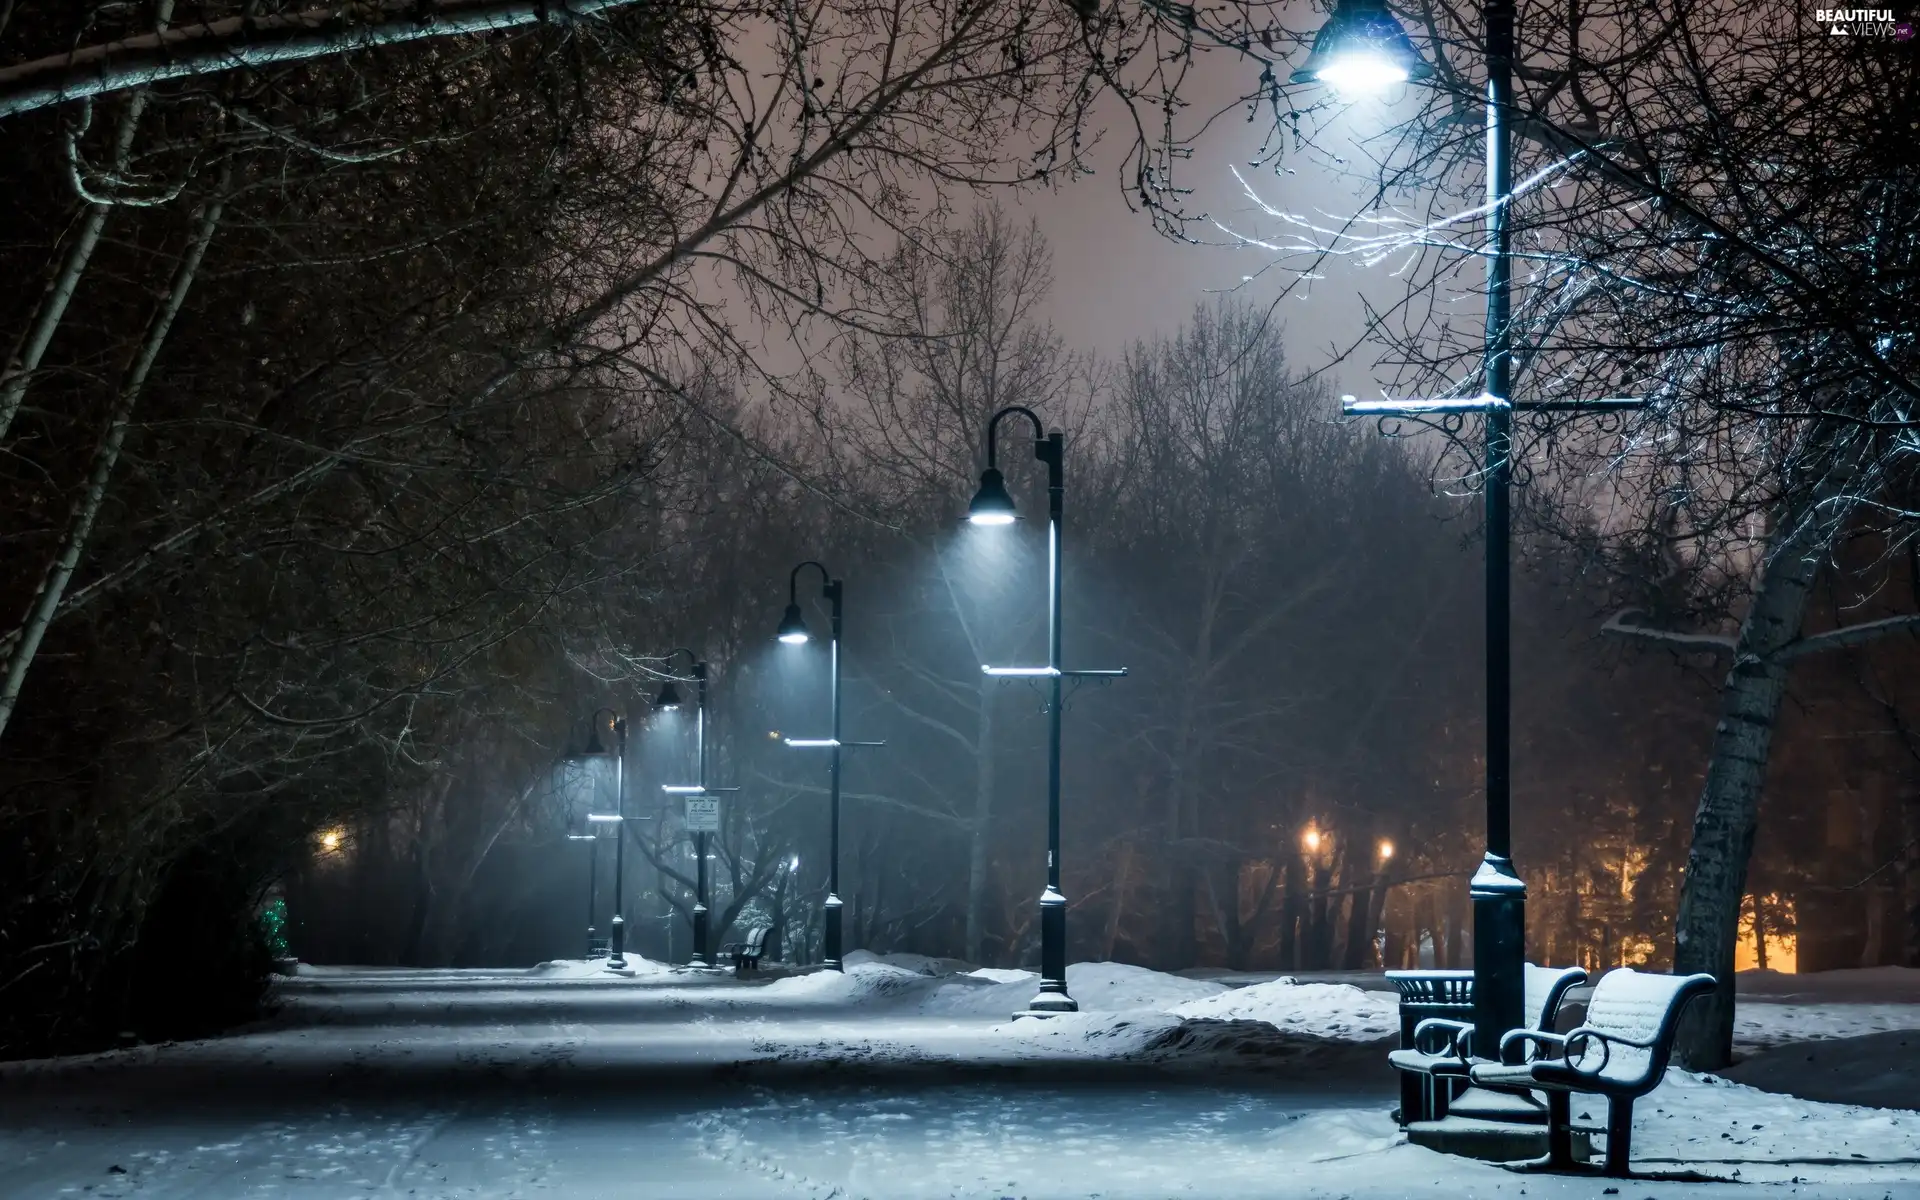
702, 818
595, 749
992, 506
1362, 47
793, 632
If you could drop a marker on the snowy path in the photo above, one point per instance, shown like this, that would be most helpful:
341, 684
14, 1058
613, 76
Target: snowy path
495, 1086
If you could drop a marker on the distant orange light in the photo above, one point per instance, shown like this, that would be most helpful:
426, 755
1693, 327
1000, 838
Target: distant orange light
1386, 849
1311, 838
331, 839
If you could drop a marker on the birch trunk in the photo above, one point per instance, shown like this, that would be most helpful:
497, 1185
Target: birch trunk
1708, 926
53, 583
59, 292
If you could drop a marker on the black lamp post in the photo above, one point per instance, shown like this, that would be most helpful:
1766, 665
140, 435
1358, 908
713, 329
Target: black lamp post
618, 818
670, 699
1362, 47
992, 505
793, 632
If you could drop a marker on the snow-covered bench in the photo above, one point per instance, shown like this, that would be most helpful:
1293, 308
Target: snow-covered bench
1620, 1052
746, 955
1436, 1052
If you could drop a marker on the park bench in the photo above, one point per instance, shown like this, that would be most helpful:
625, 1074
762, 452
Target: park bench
1436, 1031
746, 955
1620, 1052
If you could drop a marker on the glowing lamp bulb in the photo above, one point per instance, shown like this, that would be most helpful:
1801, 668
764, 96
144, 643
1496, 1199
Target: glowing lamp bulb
1311, 839
1386, 850
1362, 74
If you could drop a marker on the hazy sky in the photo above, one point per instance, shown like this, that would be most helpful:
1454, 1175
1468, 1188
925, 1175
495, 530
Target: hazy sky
1116, 279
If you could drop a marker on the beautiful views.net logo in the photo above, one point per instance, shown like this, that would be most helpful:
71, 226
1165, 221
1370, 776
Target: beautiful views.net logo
1863, 22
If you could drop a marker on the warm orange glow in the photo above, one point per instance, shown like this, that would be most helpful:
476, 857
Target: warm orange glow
1386, 849
1783, 949
331, 839
1311, 839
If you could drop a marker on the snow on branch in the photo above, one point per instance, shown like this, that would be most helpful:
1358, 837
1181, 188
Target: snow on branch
1617, 624
209, 47
1851, 635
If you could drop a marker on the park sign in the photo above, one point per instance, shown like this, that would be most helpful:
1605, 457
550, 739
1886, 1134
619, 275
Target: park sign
703, 814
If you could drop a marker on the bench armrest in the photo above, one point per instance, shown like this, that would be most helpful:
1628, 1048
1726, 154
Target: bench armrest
1451, 1038
1538, 1037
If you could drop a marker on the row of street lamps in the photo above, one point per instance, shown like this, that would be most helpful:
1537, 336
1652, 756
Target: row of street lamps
1361, 48
992, 506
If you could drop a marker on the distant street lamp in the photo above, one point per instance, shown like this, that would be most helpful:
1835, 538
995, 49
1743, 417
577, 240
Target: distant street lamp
593, 870
670, 699
793, 632
618, 818
1363, 48
993, 506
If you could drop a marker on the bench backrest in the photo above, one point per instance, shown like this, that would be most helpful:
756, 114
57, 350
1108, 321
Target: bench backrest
1546, 987
1638, 1005
756, 939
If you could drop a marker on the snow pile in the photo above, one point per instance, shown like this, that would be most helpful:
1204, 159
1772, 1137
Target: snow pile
1117, 987
1100, 987
1727, 1129
1336, 1011
868, 980
919, 964
1881, 1069
1764, 1024
1004, 975
597, 969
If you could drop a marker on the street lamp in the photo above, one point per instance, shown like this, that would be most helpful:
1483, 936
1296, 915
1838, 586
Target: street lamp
1362, 45
1362, 49
793, 632
993, 506
703, 816
598, 749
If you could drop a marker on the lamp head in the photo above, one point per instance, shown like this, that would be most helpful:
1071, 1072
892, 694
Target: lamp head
793, 627
669, 696
1362, 50
992, 505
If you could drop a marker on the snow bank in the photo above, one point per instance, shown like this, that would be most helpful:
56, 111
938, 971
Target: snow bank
597, 968
1327, 1010
1881, 1069
1759, 1024
1728, 1129
860, 981
1004, 975
919, 964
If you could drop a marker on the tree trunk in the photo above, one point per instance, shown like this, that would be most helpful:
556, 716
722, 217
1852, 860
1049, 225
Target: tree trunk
53, 583
1708, 926
1290, 907
52, 308
1358, 954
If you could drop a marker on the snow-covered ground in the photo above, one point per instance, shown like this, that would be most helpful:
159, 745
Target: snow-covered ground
902, 1078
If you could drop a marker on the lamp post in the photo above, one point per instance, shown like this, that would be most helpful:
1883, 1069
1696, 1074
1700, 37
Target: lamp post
670, 699
993, 506
1362, 47
617, 928
793, 632
593, 870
